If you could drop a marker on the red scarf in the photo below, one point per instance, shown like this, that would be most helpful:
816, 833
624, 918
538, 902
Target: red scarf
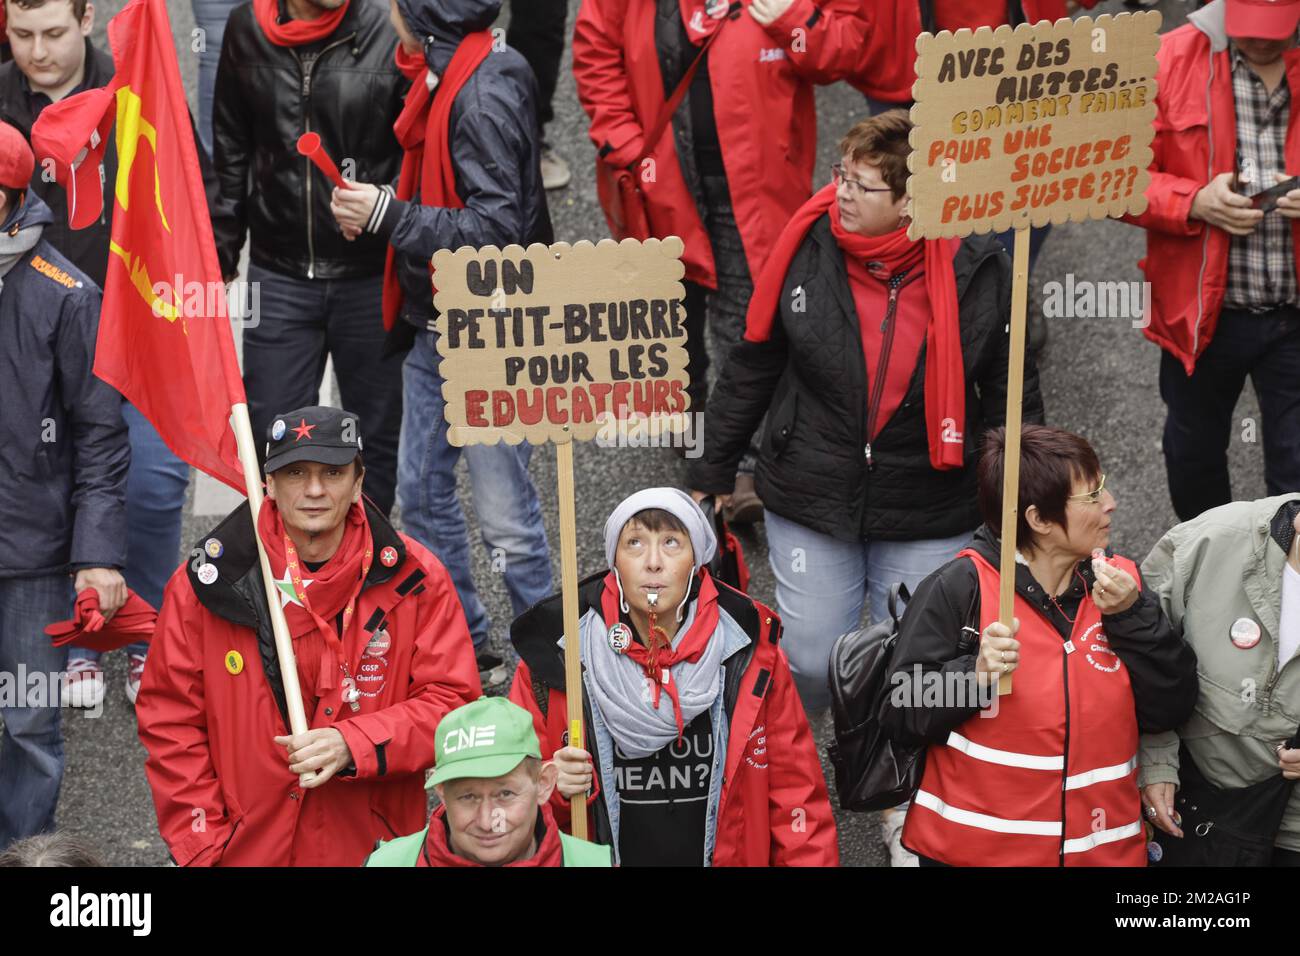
422, 129
438, 851
696, 15
657, 656
945, 374
295, 32
332, 590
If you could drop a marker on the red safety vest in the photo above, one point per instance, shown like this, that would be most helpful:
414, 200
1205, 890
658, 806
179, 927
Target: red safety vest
1051, 780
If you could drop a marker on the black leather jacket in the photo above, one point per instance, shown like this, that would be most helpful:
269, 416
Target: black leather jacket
346, 88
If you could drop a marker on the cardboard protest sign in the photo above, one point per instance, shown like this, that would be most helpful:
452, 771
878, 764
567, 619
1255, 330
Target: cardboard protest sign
1043, 123
554, 342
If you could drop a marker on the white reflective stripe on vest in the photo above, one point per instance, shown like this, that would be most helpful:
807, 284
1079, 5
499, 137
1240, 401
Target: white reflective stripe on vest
985, 822
1094, 840
1005, 757
1101, 774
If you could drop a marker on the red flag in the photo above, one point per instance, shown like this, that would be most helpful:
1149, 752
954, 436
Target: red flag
164, 336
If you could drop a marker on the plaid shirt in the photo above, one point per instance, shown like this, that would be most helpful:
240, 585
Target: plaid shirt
1261, 266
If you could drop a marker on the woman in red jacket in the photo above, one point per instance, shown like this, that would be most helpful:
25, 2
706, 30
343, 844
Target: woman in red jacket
710, 761
739, 159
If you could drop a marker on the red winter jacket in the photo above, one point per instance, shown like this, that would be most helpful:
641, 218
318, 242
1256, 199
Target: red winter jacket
888, 74
222, 788
762, 81
1195, 140
773, 809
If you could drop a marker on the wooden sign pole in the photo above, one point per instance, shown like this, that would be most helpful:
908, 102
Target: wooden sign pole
569, 588
1011, 446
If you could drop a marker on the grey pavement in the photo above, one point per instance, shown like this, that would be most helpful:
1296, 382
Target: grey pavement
1099, 379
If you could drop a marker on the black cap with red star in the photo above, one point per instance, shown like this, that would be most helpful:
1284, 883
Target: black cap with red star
331, 436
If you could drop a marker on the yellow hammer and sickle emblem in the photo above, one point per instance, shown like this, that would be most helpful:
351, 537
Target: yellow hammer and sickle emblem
131, 128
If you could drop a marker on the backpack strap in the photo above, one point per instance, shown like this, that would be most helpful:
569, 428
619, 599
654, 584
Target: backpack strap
401, 851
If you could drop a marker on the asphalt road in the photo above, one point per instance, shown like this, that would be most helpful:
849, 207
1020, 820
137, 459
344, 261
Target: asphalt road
1099, 379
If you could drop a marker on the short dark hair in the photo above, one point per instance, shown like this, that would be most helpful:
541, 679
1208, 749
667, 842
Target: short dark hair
50, 849
882, 141
1051, 459
78, 6
657, 519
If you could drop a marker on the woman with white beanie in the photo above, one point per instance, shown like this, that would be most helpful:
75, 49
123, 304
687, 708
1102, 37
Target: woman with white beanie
697, 750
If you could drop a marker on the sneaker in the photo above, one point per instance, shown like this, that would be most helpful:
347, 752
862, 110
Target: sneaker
134, 673
83, 684
891, 834
492, 670
555, 171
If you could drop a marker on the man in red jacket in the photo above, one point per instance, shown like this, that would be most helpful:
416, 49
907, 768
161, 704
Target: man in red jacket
736, 158
382, 653
1223, 281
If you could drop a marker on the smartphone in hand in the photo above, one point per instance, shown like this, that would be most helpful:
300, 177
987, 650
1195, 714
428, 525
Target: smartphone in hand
1266, 200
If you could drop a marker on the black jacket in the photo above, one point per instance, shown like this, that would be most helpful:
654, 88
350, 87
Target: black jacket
88, 247
64, 453
495, 154
811, 381
266, 96
1161, 665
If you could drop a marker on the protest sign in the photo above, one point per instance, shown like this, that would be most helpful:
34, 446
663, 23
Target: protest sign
549, 343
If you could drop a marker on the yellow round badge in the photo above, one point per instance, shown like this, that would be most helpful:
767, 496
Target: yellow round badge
234, 662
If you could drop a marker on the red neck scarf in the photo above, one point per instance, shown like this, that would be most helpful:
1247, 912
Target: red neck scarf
422, 129
295, 32
657, 655
438, 851
945, 374
317, 598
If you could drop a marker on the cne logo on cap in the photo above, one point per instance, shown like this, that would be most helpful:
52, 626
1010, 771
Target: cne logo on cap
462, 738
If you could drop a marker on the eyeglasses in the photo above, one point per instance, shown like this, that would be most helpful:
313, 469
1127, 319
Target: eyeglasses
857, 188
1092, 497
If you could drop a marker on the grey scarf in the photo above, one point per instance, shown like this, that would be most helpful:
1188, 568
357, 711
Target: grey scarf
621, 692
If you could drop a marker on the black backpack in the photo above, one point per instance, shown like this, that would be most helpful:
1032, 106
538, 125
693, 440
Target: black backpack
873, 772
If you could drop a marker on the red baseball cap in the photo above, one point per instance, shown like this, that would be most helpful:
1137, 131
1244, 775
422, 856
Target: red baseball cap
74, 133
16, 159
1262, 19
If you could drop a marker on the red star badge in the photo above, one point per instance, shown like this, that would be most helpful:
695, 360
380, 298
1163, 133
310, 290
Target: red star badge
303, 430
388, 557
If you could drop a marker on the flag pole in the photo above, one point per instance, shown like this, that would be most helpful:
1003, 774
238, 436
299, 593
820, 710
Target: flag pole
279, 626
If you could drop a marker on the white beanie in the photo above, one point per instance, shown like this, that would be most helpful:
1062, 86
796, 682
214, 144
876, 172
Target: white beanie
704, 542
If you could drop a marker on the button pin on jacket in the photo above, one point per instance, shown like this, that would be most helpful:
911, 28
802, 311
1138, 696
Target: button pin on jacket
620, 637
234, 662
1245, 633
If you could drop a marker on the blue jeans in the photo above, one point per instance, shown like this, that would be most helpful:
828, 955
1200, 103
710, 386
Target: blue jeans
301, 320
155, 502
505, 500
822, 583
210, 16
31, 749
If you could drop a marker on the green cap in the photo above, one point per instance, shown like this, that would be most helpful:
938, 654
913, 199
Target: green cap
485, 739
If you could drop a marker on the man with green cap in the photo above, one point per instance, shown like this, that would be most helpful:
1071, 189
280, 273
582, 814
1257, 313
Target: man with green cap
494, 790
